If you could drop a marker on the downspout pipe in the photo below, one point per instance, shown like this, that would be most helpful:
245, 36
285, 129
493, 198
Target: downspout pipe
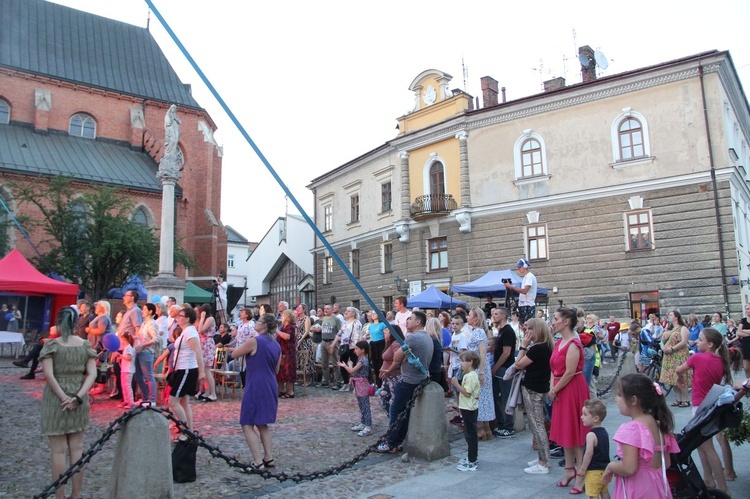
722, 266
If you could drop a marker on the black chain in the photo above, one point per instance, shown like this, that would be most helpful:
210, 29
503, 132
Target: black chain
601, 393
232, 461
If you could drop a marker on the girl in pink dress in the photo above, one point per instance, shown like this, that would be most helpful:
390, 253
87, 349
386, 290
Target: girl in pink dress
710, 367
568, 393
643, 444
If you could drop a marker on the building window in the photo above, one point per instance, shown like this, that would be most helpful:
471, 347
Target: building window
639, 230
354, 261
328, 270
354, 204
4, 112
140, 217
387, 304
385, 197
438, 250
82, 125
356, 304
536, 242
387, 257
530, 158
328, 218
230, 261
630, 135
630, 142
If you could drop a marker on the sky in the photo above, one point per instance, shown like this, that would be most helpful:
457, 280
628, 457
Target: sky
316, 84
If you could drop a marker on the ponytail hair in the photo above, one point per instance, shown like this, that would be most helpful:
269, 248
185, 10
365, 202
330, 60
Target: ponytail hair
650, 399
714, 337
66, 319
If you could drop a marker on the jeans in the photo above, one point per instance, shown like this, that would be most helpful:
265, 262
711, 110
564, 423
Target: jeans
470, 433
588, 364
331, 358
500, 395
144, 375
604, 349
402, 394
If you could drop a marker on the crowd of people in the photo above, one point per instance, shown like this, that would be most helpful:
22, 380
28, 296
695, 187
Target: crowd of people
490, 363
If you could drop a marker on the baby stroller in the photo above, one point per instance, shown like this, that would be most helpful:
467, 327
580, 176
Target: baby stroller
683, 475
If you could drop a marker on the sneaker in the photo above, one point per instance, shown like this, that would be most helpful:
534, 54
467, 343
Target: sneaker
468, 466
324, 384
557, 452
344, 388
383, 448
198, 395
537, 469
463, 460
358, 427
366, 432
533, 463
20, 363
28, 376
336, 386
504, 433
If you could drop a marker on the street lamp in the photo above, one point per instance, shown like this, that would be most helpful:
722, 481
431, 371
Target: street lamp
399, 283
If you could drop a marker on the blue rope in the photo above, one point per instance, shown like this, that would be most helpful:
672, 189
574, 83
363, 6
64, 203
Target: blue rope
413, 359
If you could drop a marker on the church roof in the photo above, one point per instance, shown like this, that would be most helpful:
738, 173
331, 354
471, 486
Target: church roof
48, 39
86, 160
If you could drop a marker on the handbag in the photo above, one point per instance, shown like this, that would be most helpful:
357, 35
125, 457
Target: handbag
172, 374
361, 387
343, 350
183, 461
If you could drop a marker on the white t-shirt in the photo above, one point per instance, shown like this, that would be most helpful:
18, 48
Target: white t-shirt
183, 352
528, 299
400, 319
459, 341
128, 366
624, 338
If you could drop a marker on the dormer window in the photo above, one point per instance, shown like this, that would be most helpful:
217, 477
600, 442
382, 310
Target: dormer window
4, 112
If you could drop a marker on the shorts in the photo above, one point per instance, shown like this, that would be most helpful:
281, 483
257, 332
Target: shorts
185, 382
594, 484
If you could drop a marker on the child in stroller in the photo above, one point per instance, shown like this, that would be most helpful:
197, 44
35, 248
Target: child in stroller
720, 409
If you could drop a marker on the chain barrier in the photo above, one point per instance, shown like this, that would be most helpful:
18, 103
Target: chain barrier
601, 393
232, 461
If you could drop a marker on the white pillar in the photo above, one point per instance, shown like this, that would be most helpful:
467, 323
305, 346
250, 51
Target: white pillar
166, 246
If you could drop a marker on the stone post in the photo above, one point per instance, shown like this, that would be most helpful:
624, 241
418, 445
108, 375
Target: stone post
143, 459
427, 437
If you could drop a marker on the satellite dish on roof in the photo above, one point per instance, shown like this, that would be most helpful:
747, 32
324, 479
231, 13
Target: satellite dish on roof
585, 60
601, 59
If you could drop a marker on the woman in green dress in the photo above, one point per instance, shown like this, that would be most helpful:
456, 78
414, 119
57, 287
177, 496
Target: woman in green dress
70, 372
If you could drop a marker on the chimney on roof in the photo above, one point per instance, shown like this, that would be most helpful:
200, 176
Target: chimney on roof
588, 69
489, 91
554, 84
502, 90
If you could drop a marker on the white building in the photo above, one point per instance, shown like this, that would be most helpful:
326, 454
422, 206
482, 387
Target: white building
238, 268
281, 267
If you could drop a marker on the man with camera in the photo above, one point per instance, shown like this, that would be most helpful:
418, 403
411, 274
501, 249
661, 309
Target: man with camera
220, 292
527, 291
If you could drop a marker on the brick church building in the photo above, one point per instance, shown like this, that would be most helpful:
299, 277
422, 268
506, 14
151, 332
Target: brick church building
85, 96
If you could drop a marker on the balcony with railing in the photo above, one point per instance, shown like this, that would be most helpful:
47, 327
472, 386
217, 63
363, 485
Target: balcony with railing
432, 205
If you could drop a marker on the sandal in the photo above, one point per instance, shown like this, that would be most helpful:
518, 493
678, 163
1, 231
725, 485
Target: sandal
684, 404
269, 463
565, 483
257, 467
676, 403
287, 396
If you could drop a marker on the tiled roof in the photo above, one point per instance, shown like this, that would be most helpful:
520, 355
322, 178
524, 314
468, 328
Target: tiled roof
53, 40
233, 236
87, 160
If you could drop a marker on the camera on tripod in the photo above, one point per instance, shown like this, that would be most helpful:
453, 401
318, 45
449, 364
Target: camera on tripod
506, 281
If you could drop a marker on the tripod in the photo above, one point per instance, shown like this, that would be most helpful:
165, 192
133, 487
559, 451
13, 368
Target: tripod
511, 301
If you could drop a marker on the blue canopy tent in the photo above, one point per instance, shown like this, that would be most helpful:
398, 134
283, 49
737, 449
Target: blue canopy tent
134, 283
432, 297
491, 284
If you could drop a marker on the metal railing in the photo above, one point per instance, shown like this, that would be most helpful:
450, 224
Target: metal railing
432, 204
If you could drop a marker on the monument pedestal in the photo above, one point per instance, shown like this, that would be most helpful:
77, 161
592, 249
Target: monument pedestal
167, 284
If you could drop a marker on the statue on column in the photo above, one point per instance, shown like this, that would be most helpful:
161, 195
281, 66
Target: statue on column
169, 166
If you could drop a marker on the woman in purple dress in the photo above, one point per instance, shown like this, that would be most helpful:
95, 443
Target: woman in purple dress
260, 400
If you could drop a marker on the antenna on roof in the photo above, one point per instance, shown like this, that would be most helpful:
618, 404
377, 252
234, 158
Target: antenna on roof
148, 19
465, 72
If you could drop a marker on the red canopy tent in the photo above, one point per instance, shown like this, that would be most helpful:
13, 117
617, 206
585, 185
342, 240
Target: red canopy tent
18, 276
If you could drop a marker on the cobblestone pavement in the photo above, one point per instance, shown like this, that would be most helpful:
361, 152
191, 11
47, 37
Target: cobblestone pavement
312, 434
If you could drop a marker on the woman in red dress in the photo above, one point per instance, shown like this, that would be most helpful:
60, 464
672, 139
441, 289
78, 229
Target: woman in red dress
287, 339
569, 392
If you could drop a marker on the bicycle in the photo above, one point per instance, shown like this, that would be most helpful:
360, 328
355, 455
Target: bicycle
652, 358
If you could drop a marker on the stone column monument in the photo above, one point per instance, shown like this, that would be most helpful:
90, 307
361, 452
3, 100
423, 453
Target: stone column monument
166, 283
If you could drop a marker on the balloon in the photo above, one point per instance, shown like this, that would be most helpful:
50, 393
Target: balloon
164, 299
111, 342
156, 299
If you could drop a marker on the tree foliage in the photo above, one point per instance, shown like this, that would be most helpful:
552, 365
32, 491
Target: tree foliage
90, 236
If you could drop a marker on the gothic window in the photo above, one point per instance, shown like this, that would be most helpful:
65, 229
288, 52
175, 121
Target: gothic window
140, 217
82, 125
4, 112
